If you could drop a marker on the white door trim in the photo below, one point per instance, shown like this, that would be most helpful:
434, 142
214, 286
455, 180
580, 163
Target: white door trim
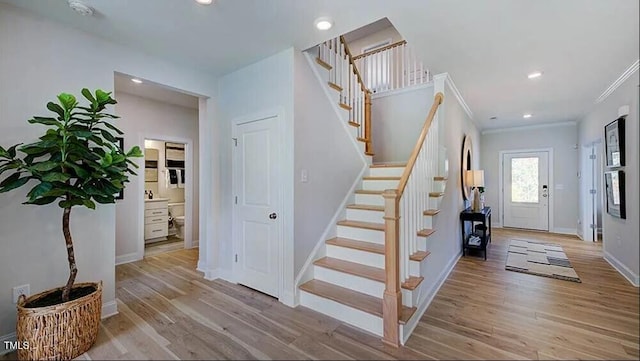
501, 155
188, 190
284, 260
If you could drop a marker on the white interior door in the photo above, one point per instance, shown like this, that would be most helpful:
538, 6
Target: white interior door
257, 204
526, 190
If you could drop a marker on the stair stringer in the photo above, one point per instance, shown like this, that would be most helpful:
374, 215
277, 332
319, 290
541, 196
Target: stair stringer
334, 98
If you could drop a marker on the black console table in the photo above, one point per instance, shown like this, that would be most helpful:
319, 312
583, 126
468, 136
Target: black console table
481, 217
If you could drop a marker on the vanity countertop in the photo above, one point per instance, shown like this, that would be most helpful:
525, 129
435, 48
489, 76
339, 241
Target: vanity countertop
157, 200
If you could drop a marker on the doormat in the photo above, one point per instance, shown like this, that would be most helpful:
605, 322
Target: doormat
540, 259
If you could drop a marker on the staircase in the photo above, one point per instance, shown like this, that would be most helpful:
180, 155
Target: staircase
371, 272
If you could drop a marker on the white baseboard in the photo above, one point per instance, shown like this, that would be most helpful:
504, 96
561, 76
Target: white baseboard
289, 299
210, 274
8, 338
570, 231
109, 309
127, 258
622, 269
408, 328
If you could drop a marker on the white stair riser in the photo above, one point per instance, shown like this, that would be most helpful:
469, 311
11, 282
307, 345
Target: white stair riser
356, 283
428, 222
379, 185
386, 171
361, 234
360, 284
370, 199
356, 256
414, 267
364, 215
352, 316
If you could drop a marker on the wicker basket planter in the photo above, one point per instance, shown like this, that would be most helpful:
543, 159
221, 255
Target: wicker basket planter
59, 332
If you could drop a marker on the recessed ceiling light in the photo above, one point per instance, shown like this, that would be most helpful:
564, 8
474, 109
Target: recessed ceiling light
136, 80
323, 23
534, 75
204, 2
80, 7
526, 116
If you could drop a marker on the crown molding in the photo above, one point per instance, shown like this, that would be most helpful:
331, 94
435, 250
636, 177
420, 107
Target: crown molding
529, 127
456, 93
621, 79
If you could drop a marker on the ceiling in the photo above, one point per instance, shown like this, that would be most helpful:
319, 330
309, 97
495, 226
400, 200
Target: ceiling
487, 46
149, 90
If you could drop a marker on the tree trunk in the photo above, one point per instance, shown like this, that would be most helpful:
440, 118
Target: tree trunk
71, 256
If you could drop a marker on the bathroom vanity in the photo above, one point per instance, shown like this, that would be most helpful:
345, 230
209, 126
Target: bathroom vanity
156, 219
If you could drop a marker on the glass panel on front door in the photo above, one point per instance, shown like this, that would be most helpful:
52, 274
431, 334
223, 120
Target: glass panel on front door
524, 180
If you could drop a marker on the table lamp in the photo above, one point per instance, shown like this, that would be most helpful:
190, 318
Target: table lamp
475, 178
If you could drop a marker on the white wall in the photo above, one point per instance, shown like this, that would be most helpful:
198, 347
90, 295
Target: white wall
324, 150
562, 139
140, 118
39, 60
260, 87
620, 236
396, 120
357, 45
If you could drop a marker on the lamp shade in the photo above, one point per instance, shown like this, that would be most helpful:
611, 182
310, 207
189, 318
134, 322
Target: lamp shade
475, 178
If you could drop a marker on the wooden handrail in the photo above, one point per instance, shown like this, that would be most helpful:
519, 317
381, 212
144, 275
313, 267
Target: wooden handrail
416, 150
355, 69
379, 50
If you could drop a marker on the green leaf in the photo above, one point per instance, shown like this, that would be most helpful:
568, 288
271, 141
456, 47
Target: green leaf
45, 121
135, 152
89, 204
68, 101
80, 172
107, 160
56, 177
112, 127
87, 94
108, 136
39, 190
56, 109
12, 150
105, 199
14, 184
104, 98
10, 179
3, 153
45, 166
70, 203
41, 201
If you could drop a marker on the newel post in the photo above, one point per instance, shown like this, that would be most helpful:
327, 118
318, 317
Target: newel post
368, 148
392, 298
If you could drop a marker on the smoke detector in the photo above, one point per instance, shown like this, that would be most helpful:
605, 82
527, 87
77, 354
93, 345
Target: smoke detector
81, 8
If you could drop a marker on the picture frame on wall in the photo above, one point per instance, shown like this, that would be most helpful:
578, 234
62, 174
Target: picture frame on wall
615, 193
120, 141
615, 143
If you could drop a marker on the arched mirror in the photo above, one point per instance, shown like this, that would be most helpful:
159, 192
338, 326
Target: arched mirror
465, 165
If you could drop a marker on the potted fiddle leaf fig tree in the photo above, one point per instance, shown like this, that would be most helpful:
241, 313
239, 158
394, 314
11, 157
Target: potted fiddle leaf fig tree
76, 163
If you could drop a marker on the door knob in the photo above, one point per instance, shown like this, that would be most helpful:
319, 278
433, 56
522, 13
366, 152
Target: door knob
273, 216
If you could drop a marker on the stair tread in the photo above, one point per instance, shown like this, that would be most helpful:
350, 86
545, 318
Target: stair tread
323, 64
360, 224
388, 165
360, 139
366, 191
440, 178
426, 232
412, 282
366, 207
351, 298
431, 212
345, 106
354, 244
352, 268
354, 124
370, 153
381, 178
436, 194
419, 256
335, 86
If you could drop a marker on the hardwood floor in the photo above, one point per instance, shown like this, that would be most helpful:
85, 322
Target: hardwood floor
168, 311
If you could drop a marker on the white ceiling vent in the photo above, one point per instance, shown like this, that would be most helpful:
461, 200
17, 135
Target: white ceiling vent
80, 7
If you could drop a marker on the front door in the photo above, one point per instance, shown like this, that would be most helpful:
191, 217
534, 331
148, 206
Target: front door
257, 204
526, 190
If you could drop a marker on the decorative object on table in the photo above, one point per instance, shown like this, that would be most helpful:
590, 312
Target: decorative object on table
475, 179
540, 259
615, 191
474, 240
77, 162
615, 143
465, 165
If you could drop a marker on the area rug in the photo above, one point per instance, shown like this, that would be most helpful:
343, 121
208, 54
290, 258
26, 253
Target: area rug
540, 259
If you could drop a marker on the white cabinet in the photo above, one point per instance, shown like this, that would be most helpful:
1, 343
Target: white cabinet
156, 219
